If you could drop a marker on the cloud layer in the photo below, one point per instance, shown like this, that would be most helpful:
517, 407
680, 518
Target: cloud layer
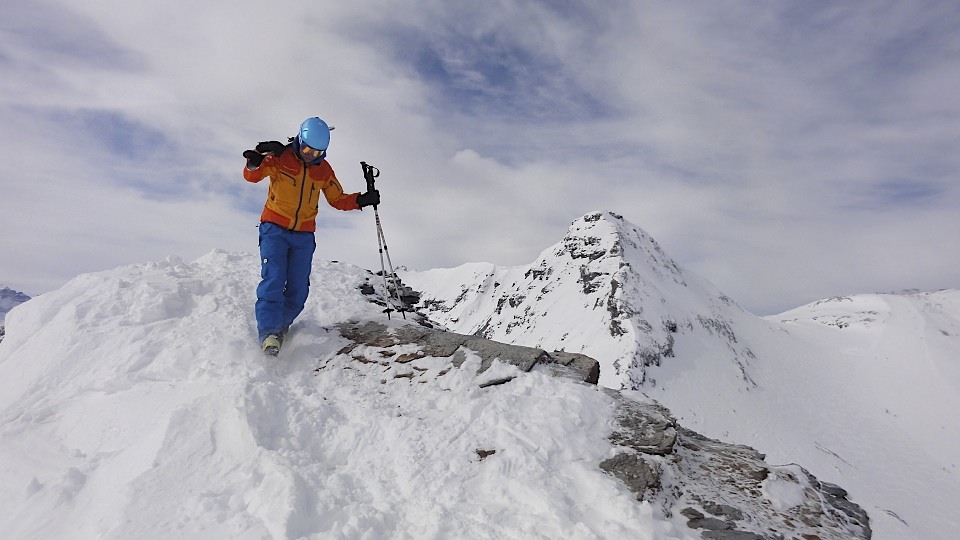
787, 151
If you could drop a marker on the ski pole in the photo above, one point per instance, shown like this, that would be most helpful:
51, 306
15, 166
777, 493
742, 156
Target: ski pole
370, 174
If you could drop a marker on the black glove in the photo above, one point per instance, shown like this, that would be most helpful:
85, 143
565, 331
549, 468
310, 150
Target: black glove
369, 198
274, 147
254, 159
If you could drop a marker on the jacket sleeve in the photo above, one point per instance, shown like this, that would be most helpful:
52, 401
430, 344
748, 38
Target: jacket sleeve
333, 191
267, 168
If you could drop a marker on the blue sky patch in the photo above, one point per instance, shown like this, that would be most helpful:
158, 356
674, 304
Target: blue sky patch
122, 137
906, 192
895, 194
483, 76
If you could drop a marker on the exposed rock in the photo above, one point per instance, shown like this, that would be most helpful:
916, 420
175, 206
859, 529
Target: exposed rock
719, 487
441, 344
722, 510
588, 368
495, 382
645, 427
696, 472
710, 523
833, 489
484, 454
634, 471
731, 535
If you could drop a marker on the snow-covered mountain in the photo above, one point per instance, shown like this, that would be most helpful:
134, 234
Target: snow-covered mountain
863, 390
606, 290
10, 299
135, 404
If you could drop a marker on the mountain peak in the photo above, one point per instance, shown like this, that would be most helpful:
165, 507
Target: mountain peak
607, 290
600, 235
595, 235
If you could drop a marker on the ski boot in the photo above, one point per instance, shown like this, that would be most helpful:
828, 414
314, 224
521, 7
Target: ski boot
271, 345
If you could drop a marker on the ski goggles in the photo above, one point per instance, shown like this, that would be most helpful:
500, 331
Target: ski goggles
311, 152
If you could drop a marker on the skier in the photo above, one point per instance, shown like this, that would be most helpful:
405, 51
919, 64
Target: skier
298, 172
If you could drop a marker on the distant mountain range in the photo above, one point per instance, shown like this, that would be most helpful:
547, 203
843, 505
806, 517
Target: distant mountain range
10, 299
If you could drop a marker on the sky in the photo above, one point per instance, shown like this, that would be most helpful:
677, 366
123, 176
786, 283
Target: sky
785, 151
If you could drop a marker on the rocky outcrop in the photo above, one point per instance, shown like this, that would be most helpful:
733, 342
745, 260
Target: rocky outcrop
441, 344
725, 491
728, 491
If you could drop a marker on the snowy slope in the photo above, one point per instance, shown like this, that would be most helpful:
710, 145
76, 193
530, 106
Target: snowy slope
133, 404
863, 391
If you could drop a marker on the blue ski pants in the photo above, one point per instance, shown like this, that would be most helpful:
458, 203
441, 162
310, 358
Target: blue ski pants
286, 258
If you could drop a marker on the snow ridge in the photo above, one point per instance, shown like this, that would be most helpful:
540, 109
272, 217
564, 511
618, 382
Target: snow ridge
135, 404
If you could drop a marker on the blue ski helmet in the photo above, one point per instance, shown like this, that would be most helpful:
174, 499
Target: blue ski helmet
315, 133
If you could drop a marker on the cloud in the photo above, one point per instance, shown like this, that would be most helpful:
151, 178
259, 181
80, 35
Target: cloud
47, 36
767, 147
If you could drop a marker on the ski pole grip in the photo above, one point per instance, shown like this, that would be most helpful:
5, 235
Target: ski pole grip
370, 173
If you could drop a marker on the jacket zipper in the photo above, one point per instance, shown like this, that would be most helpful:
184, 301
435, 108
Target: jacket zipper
303, 184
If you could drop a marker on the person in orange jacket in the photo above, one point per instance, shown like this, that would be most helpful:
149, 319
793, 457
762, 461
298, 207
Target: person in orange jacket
298, 173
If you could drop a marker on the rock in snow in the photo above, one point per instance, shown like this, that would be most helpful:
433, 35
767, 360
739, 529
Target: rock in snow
675, 469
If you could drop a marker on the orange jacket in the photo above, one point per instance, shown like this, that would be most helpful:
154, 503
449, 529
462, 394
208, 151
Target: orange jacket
295, 190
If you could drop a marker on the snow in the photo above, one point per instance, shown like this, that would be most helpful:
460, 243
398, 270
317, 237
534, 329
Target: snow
863, 391
134, 404
576, 297
783, 493
863, 404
